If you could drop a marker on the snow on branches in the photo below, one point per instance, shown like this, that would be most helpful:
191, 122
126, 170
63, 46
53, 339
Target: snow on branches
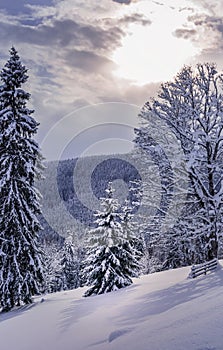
20, 258
192, 107
112, 256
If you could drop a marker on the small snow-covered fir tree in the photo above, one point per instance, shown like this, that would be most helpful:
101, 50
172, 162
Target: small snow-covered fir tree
111, 258
69, 264
62, 265
20, 257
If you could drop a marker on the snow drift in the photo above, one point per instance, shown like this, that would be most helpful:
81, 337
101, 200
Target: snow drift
161, 311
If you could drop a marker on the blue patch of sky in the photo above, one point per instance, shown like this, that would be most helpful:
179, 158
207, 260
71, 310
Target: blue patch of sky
19, 7
31, 22
43, 72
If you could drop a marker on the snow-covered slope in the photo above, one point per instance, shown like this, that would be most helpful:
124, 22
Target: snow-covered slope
162, 311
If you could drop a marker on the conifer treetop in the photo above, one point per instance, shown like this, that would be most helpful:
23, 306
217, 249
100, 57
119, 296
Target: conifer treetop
14, 73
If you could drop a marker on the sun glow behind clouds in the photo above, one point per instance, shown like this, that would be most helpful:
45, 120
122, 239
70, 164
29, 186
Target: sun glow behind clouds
152, 53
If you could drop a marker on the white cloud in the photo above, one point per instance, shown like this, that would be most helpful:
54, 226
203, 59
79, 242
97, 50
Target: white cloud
69, 47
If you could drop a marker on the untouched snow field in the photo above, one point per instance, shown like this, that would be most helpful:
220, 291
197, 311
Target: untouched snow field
161, 311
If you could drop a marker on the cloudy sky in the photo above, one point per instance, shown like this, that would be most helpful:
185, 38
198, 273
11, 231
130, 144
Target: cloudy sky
92, 58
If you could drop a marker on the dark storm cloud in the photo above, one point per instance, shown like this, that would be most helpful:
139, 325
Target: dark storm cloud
126, 2
88, 61
202, 22
135, 18
63, 33
185, 33
206, 32
206, 21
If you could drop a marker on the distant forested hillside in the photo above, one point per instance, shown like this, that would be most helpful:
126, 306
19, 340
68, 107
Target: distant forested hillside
71, 188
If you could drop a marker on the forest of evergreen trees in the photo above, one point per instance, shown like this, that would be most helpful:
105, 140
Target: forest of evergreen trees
107, 219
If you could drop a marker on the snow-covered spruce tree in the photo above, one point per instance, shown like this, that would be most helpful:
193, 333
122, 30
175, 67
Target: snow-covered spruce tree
192, 106
111, 259
20, 257
69, 264
53, 273
63, 264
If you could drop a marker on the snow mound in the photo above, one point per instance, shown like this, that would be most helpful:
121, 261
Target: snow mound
161, 311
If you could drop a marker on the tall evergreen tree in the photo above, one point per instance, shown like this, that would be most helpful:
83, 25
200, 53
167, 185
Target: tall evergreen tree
111, 258
20, 257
